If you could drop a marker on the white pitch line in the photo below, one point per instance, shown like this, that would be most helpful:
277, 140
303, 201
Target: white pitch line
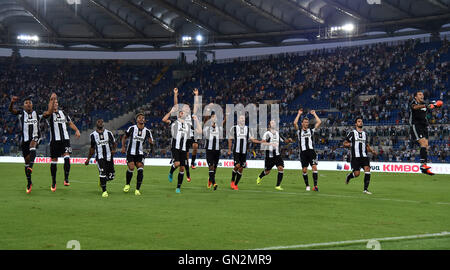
301, 194
339, 243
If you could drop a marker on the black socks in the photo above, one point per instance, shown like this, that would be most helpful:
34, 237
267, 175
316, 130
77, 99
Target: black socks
28, 175
212, 177
129, 175
238, 178
350, 176
366, 180
186, 168
279, 178
423, 155
262, 174
32, 156
180, 179
315, 177
103, 183
305, 178
233, 176
139, 178
66, 167
172, 169
53, 172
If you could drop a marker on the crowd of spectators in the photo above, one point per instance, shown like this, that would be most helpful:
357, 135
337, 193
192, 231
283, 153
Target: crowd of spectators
86, 91
374, 81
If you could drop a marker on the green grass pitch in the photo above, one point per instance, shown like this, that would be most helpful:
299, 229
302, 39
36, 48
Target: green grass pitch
253, 217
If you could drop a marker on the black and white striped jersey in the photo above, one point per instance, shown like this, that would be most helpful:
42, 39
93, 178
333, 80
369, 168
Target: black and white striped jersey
274, 138
180, 134
241, 135
58, 122
359, 141
29, 123
137, 138
188, 121
212, 137
102, 143
305, 139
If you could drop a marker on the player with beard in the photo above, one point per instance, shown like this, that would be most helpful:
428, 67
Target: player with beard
180, 132
242, 135
31, 133
212, 133
192, 142
271, 141
58, 121
358, 141
419, 127
138, 134
308, 155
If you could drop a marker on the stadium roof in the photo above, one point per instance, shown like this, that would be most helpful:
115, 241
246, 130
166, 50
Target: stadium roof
158, 24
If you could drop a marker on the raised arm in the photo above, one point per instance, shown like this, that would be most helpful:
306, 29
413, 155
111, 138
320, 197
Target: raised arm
318, 121
51, 106
14, 99
297, 118
195, 100
198, 125
167, 116
230, 141
175, 96
227, 114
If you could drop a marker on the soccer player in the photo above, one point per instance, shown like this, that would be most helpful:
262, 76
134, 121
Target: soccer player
180, 132
271, 141
192, 141
358, 141
419, 127
308, 155
138, 134
212, 146
31, 133
58, 121
104, 146
241, 135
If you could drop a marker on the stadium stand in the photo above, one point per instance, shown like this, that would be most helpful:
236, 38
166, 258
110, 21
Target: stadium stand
375, 81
